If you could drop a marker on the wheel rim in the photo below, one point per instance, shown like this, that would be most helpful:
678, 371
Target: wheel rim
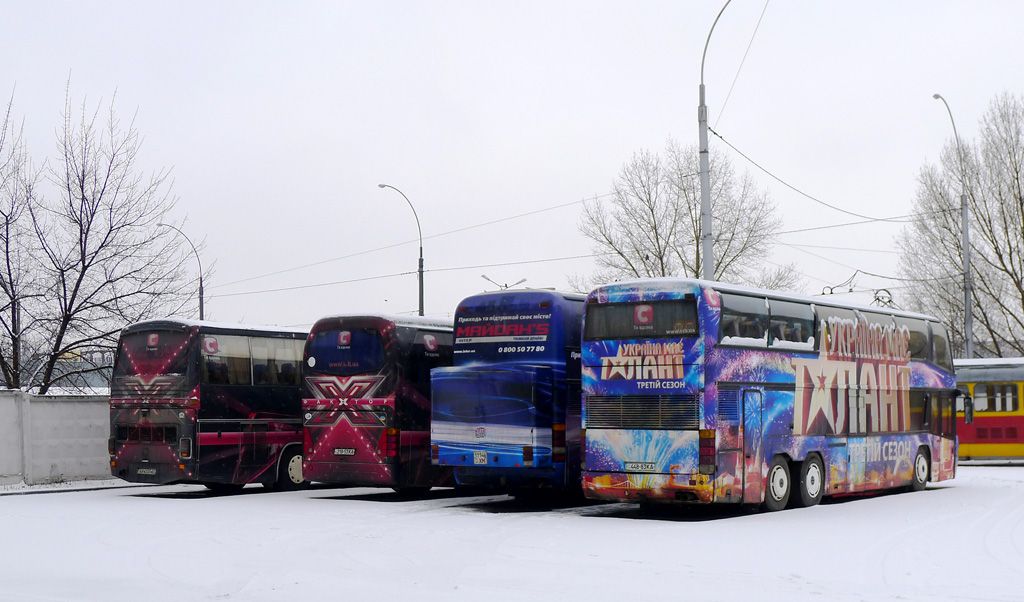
295, 469
921, 468
812, 481
778, 483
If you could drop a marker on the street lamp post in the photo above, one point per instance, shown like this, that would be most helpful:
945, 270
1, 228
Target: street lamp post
417, 230
964, 226
707, 238
199, 261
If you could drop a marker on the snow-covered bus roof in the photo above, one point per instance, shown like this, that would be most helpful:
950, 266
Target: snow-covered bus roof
208, 324
410, 321
670, 283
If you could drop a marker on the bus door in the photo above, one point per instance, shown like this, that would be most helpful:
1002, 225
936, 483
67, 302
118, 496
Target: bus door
753, 452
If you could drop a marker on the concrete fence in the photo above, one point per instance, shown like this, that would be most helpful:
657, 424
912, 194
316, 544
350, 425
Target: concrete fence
50, 438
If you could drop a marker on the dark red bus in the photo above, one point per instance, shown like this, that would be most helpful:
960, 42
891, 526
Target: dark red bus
199, 402
366, 405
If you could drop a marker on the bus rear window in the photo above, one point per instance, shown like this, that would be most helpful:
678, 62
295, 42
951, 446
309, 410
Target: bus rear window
345, 352
148, 354
647, 320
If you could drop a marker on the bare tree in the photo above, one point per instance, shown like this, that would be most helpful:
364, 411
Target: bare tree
992, 173
19, 284
651, 227
103, 258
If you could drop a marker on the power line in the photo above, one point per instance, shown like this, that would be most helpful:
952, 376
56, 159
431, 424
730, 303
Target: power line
868, 221
743, 60
802, 193
380, 277
351, 255
785, 244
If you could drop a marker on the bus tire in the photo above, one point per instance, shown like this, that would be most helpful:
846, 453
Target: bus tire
812, 482
779, 485
922, 469
289, 471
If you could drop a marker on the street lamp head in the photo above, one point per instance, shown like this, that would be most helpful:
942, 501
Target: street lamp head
381, 185
936, 96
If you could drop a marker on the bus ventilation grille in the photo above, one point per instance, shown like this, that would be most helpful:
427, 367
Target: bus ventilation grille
729, 405
656, 412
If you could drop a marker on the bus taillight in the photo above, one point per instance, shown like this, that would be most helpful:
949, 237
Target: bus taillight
110, 445
193, 397
185, 447
707, 451
558, 442
527, 455
435, 454
388, 444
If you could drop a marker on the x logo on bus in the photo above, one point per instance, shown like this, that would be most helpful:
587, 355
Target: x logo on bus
430, 342
344, 338
336, 387
643, 314
210, 345
152, 340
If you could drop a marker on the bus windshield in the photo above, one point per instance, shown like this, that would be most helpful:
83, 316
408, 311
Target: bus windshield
647, 320
143, 356
346, 352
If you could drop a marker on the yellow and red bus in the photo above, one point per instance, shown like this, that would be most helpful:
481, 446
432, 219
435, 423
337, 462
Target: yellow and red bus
998, 429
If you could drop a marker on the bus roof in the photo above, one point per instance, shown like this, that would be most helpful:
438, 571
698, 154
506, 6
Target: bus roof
209, 326
409, 321
538, 293
670, 284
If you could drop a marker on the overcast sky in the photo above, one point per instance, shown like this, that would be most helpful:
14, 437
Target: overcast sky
497, 119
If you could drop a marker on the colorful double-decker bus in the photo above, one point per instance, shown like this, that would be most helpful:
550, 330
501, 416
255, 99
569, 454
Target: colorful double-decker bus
703, 392
507, 414
366, 405
994, 384
201, 402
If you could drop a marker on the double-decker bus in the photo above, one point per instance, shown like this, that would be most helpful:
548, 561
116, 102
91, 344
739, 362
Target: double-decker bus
507, 415
201, 402
703, 392
366, 405
998, 429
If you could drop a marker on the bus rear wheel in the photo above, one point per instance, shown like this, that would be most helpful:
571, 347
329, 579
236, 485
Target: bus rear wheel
922, 470
777, 495
812, 482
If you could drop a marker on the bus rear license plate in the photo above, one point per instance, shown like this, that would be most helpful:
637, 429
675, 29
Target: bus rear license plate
640, 466
479, 457
146, 471
344, 451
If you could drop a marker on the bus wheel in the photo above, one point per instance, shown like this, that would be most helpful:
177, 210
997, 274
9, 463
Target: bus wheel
289, 471
777, 495
812, 482
922, 470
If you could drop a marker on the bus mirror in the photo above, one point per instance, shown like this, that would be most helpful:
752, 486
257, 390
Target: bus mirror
968, 409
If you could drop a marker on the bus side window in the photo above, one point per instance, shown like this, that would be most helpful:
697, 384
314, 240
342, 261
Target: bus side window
743, 321
792, 325
226, 360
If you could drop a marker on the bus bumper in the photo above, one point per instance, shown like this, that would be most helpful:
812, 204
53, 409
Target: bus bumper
643, 487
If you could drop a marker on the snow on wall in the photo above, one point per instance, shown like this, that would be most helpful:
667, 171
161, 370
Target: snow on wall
48, 438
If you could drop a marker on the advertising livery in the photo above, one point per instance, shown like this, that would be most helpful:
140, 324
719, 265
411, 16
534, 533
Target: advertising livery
200, 402
702, 392
366, 406
507, 414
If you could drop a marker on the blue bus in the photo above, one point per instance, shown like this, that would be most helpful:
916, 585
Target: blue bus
704, 392
506, 415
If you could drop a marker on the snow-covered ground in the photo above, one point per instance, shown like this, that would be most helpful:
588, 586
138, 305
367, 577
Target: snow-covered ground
958, 540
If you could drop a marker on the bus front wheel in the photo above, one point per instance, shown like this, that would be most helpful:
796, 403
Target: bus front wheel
777, 495
922, 470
